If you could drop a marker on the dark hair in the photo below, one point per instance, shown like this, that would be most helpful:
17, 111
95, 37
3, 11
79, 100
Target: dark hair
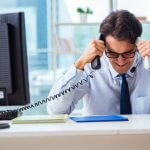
122, 25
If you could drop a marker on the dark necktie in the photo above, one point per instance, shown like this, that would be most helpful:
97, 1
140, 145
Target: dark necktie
125, 106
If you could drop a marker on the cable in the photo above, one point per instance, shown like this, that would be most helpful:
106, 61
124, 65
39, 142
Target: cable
7, 113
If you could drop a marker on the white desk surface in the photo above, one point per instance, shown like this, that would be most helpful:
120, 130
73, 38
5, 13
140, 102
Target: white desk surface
129, 135
137, 124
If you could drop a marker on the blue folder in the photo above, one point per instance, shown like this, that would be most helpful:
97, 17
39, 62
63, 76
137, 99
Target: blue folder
99, 118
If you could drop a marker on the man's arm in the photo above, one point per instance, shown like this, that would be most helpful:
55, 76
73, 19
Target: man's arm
70, 82
75, 91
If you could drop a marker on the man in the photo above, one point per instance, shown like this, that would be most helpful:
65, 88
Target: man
121, 85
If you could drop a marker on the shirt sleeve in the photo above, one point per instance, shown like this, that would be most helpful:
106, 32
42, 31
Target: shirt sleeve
67, 91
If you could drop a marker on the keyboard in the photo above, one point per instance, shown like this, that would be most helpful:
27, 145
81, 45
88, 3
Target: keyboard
8, 116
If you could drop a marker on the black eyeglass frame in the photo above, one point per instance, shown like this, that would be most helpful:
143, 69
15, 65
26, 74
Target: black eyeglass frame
129, 54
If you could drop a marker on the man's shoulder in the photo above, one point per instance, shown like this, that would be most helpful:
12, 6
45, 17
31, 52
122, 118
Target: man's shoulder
142, 70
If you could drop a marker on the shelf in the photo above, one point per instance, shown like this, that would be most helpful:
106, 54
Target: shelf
88, 23
77, 24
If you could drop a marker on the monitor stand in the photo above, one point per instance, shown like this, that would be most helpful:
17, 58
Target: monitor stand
4, 125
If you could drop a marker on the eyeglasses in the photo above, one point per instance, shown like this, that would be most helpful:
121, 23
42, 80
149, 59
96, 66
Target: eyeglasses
129, 54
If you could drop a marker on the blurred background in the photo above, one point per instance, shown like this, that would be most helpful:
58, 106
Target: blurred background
57, 32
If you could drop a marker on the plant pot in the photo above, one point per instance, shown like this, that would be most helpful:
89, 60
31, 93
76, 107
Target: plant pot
83, 18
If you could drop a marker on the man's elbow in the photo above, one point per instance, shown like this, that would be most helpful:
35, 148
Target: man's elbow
53, 110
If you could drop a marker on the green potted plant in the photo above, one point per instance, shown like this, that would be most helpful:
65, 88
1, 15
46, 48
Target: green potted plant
84, 13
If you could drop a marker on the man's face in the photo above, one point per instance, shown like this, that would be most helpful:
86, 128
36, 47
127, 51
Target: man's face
120, 64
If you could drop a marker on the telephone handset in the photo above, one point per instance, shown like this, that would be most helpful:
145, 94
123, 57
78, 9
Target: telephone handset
146, 58
96, 64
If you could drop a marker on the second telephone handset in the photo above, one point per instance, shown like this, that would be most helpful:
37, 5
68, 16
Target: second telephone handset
96, 64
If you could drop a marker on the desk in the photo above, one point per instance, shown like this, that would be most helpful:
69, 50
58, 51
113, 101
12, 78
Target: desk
131, 135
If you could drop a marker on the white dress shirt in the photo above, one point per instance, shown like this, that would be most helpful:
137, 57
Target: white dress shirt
101, 94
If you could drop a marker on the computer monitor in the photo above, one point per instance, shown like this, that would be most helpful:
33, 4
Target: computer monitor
14, 83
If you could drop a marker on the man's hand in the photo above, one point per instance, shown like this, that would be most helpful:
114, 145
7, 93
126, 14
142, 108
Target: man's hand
144, 48
95, 48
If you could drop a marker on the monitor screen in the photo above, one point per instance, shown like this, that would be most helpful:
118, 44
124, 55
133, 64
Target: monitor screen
14, 83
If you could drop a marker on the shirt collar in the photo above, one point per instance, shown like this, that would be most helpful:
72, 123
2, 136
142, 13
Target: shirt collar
129, 73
